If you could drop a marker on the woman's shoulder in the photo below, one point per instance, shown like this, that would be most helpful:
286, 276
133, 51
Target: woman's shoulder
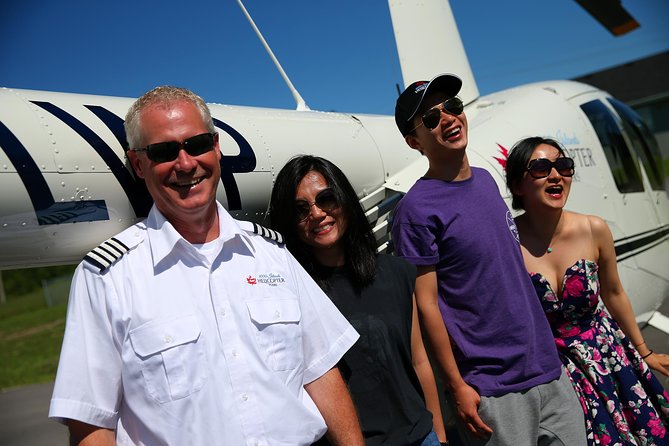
396, 276
600, 231
395, 264
592, 223
595, 227
596, 223
580, 221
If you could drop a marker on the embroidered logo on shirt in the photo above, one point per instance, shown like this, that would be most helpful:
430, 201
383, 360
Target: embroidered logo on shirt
512, 225
251, 280
271, 279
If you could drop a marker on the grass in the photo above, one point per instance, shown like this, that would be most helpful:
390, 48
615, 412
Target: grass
31, 334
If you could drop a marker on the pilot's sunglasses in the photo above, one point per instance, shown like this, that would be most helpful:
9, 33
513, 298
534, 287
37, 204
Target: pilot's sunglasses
541, 167
431, 118
326, 200
162, 152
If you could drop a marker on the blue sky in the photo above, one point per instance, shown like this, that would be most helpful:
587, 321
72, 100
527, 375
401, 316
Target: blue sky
340, 55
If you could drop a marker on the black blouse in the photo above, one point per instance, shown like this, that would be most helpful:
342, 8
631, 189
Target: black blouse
378, 369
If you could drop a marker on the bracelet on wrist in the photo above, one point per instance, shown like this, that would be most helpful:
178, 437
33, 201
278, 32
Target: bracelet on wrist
647, 354
639, 345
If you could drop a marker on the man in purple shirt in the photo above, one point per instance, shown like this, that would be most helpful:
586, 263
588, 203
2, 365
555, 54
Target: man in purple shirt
476, 302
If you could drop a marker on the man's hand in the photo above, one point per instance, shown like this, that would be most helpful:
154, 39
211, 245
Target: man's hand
467, 402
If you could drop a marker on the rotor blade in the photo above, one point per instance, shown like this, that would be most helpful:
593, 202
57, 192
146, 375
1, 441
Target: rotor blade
611, 15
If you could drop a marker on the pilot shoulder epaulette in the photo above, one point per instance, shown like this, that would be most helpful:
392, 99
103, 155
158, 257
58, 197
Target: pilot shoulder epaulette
255, 228
111, 250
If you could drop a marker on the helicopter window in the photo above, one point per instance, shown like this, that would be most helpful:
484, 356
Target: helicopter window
623, 165
643, 142
655, 115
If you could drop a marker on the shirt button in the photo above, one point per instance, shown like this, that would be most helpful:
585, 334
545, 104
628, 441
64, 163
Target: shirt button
223, 312
235, 354
168, 339
245, 397
277, 314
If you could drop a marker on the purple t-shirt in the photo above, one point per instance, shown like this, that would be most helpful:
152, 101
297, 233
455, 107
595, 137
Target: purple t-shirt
503, 342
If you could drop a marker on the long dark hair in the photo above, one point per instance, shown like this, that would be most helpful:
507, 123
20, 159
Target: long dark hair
358, 240
516, 163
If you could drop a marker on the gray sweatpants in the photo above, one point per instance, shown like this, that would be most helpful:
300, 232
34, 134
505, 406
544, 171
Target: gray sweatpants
548, 414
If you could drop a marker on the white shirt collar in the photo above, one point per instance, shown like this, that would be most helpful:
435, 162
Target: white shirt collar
164, 238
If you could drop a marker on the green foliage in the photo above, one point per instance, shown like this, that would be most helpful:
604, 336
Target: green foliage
22, 281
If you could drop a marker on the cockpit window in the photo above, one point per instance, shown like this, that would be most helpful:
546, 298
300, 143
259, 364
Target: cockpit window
644, 143
623, 165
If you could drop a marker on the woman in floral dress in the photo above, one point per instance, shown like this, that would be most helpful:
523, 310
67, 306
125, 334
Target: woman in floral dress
572, 263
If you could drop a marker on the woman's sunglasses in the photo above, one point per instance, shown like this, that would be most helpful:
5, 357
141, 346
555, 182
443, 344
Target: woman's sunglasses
431, 118
541, 167
326, 200
161, 152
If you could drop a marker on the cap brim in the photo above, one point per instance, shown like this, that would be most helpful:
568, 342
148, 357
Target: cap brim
446, 83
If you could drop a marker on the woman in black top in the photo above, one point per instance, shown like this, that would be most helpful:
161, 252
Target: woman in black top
389, 376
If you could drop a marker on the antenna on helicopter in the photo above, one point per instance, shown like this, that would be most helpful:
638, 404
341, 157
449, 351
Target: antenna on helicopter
301, 105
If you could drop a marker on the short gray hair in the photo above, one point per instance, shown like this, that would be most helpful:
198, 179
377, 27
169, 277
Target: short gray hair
165, 95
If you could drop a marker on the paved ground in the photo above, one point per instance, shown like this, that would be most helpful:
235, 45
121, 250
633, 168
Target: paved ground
23, 411
23, 418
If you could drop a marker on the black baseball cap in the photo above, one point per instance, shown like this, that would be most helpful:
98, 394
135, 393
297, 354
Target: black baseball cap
410, 100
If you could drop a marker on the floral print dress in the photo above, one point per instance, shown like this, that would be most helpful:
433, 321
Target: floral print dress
623, 402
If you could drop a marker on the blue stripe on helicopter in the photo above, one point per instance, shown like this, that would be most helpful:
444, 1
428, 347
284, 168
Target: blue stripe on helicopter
48, 212
117, 167
113, 123
242, 163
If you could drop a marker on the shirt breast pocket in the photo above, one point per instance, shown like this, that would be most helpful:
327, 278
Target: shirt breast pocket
172, 357
278, 333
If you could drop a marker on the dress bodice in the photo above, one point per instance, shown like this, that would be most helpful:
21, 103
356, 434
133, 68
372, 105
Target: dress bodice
572, 311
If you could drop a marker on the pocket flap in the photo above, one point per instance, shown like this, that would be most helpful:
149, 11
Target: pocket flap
274, 311
155, 336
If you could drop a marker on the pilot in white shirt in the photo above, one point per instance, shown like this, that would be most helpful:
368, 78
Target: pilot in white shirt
184, 337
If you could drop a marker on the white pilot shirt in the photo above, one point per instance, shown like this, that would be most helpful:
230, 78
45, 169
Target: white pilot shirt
168, 346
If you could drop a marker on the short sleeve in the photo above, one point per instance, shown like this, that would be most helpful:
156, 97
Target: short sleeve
88, 382
414, 242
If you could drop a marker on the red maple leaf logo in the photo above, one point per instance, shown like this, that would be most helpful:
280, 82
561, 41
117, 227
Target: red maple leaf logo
505, 153
251, 280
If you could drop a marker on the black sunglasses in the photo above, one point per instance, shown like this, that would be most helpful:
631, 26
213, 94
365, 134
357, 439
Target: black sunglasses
541, 167
326, 200
431, 118
162, 152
